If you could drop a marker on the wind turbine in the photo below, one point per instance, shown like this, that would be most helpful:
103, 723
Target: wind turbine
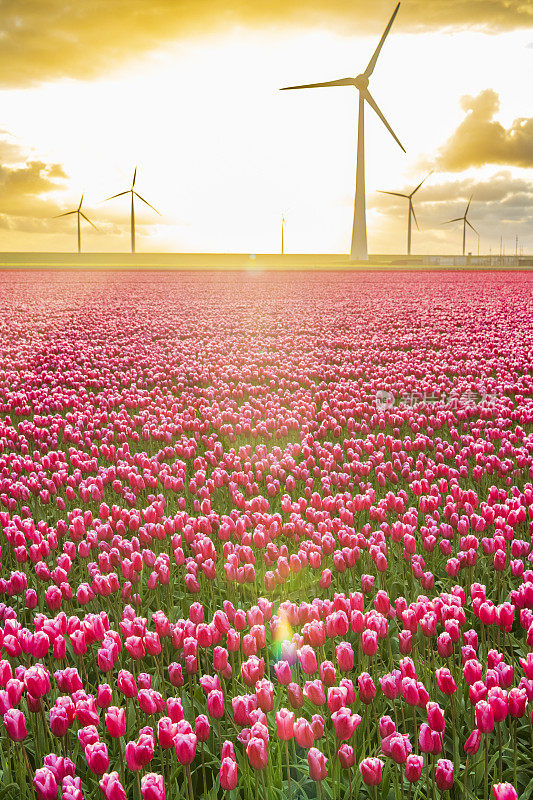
358, 250
134, 194
411, 212
79, 214
283, 234
465, 221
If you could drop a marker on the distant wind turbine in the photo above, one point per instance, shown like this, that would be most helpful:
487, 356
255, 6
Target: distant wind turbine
465, 221
134, 194
359, 250
283, 234
80, 215
411, 213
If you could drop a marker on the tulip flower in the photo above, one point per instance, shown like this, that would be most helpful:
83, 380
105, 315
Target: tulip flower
256, 751
115, 720
185, 747
371, 770
152, 786
111, 787
228, 774
317, 764
45, 784
15, 725
504, 791
444, 774
413, 768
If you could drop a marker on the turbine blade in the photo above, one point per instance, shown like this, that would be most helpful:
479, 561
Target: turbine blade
147, 203
372, 103
457, 219
471, 226
414, 217
372, 63
134, 177
468, 206
117, 195
81, 203
65, 214
421, 182
340, 82
88, 220
396, 194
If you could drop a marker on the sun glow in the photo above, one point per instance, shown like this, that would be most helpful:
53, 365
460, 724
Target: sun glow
223, 154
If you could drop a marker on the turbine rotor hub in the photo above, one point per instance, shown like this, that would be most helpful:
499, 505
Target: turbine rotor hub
361, 82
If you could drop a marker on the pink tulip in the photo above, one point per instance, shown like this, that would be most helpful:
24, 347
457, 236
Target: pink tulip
413, 768
317, 764
15, 725
444, 774
346, 756
152, 786
371, 770
45, 784
504, 791
256, 751
111, 787
285, 724
185, 747
228, 774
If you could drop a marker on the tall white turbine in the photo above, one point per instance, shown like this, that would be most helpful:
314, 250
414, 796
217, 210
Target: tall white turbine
359, 250
465, 221
134, 194
411, 212
80, 216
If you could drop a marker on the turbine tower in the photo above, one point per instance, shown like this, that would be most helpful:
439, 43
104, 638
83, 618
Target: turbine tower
80, 215
411, 213
359, 250
465, 221
283, 234
134, 194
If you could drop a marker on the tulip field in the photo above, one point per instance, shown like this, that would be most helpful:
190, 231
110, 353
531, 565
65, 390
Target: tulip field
266, 536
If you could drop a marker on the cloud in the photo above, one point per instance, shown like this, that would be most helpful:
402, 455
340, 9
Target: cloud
27, 185
44, 39
480, 139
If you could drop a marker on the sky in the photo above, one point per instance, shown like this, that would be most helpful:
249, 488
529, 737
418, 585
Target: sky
188, 93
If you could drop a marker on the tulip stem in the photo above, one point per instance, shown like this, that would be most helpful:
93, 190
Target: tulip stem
514, 751
27, 762
203, 768
486, 793
500, 760
189, 781
465, 781
263, 784
289, 768
350, 781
